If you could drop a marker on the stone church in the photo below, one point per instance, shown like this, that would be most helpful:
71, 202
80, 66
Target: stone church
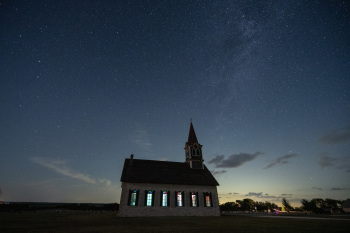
163, 188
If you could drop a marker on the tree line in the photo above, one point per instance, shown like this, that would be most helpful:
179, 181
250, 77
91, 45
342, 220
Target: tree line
318, 205
315, 205
248, 205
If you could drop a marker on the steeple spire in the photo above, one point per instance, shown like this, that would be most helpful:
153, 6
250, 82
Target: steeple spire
193, 150
192, 138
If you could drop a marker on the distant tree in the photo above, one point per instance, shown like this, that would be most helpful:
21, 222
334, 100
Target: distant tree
318, 205
319, 202
261, 206
248, 204
332, 204
307, 205
244, 204
286, 204
229, 206
274, 206
270, 206
239, 204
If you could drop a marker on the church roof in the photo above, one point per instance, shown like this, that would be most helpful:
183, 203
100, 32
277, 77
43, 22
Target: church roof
192, 138
164, 172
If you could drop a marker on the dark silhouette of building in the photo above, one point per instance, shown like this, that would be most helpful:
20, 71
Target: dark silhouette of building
163, 188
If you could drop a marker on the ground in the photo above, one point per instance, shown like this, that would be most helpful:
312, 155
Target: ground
89, 222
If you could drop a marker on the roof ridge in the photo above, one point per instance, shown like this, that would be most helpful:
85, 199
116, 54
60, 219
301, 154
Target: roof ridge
151, 160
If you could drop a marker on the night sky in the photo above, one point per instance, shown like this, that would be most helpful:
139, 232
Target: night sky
84, 84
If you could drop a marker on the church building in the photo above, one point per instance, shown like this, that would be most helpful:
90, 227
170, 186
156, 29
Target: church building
163, 188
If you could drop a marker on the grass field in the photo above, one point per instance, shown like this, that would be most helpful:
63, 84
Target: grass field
78, 222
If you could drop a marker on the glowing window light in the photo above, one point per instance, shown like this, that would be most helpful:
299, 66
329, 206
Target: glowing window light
194, 199
133, 198
207, 201
149, 198
165, 198
179, 199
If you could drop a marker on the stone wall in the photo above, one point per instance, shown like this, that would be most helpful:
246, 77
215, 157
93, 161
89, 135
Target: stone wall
172, 210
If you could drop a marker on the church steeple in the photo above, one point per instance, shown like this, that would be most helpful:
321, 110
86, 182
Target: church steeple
192, 138
193, 150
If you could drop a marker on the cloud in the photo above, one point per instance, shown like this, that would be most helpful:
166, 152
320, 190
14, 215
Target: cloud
344, 163
105, 181
280, 160
233, 193
218, 172
339, 189
272, 197
326, 161
234, 160
217, 159
60, 167
267, 196
253, 194
317, 188
336, 136
338, 162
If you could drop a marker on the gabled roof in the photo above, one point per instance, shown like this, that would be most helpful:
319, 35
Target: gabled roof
164, 172
192, 138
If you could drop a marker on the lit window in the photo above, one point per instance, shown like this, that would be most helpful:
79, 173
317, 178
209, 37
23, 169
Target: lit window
179, 198
207, 200
165, 198
194, 199
149, 198
133, 196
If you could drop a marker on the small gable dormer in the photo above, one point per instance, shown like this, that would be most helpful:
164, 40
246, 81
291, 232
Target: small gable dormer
193, 150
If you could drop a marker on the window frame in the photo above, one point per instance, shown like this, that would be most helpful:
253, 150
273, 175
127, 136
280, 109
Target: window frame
205, 195
196, 204
133, 192
148, 193
162, 198
182, 197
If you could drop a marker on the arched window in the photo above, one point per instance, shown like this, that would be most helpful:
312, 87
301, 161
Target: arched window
179, 198
194, 199
164, 198
208, 202
133, 197
149, 198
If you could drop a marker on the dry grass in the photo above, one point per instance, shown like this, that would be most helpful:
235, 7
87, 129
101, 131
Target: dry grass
78, 222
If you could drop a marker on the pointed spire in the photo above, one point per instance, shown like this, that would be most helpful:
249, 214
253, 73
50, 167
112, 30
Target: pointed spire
192, 138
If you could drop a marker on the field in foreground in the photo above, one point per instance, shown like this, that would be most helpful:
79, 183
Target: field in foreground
51, 221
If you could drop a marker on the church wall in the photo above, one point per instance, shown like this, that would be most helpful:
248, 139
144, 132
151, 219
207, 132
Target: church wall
172, 210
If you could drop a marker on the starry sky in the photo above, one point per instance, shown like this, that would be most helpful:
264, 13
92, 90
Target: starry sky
84, 84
